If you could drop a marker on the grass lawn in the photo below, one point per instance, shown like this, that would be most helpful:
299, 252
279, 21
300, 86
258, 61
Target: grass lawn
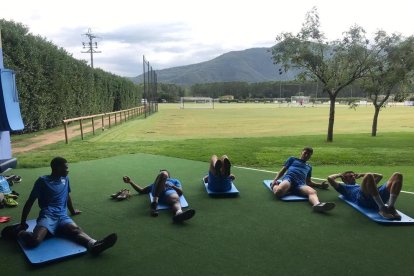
256, 135
254, 234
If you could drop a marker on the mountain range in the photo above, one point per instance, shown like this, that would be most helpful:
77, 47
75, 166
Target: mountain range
250, 65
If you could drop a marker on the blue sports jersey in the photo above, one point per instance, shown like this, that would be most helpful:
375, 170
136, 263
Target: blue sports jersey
297, 171
168, 190
218, 183
52, 194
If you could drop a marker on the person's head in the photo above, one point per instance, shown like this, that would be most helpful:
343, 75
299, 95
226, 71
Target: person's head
306, 153
165, 171
59, 166
348, 177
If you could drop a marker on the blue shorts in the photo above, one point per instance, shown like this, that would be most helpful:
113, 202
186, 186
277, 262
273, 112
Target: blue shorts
218, 183
53, 222
354, 194
369, 202
164, 195
294, 186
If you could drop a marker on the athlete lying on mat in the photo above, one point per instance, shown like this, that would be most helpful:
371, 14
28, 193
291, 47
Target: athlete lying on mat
367, 194
219, 178
164, 190
296, 178
52, 192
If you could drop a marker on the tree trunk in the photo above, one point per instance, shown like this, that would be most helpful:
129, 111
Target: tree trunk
331, 118
375, 121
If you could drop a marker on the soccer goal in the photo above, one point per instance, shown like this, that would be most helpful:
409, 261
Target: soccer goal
196, 102
300, 100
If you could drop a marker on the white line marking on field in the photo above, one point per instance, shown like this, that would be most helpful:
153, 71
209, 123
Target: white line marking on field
258, 170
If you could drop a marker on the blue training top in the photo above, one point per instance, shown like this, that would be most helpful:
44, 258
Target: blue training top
218, 183
52, 194
168, 190
297, 171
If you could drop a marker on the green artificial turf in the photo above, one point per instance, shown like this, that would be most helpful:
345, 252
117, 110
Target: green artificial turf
253, 234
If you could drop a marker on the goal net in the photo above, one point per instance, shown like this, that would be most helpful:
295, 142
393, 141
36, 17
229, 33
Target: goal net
196, 102
300, 100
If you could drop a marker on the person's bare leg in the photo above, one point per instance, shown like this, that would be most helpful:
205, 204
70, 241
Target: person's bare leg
174, 201
317, 206
33, 239
394, 186
75, 233
311, 193
281, 189
159, 185
179, 215
213, 161
225, 169
369, 188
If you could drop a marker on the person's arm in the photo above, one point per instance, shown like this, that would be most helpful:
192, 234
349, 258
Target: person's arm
377, 176
72, 210
133, 185
178, 190
311, 183
331, 179
279, 174
26, 210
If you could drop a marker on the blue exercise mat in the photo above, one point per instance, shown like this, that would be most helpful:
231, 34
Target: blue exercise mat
51, 249
11, 119
232, 192
162, 206
288, 196
373, 214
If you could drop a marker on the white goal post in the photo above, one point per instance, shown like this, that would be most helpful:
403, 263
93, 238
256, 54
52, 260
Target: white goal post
196, 102
300, 100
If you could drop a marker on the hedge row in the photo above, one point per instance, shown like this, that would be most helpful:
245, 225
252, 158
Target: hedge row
53, 85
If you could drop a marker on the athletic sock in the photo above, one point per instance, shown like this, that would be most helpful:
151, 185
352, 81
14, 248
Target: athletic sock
91, 242
178, 212
392, 199
379, 201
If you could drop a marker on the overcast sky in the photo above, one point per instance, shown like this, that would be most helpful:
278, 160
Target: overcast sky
180, 32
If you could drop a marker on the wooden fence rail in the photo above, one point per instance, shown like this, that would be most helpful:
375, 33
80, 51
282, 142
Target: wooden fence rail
126, 114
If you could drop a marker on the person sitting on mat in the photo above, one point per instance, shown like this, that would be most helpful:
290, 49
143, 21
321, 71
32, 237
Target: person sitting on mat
165, 190
367, 194
52, 192
219, 178
296, 178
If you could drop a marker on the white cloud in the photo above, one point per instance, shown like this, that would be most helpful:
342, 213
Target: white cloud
179, 32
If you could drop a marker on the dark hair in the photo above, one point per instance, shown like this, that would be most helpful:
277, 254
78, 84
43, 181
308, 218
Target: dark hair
164, 170
308, 149
347, 172
57, 162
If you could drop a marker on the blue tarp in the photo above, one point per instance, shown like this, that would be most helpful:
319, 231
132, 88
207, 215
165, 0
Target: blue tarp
10, 117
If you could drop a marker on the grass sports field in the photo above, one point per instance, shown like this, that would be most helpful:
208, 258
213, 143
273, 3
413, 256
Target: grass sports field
252, 234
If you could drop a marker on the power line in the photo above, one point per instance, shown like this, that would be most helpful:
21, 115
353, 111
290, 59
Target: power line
91, 45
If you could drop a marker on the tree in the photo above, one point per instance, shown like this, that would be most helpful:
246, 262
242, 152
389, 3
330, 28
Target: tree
394, 64
334, 64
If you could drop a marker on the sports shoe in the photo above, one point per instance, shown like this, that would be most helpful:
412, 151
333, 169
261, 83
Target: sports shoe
10, 202
124, 195
385, 213
394, 213
183, 216
323, 207
117, 194
102, 245
10, 232
153, 209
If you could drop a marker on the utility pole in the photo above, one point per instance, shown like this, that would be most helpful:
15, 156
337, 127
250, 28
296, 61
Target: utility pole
91, 45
